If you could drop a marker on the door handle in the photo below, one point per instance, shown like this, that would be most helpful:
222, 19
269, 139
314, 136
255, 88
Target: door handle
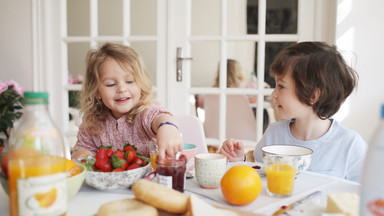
179, 63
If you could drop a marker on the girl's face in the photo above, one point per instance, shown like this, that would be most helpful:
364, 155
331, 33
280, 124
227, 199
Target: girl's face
288, 104
117, 88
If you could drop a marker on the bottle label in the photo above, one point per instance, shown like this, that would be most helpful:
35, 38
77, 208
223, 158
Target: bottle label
165, 180
43, 195
372, 204
42, 129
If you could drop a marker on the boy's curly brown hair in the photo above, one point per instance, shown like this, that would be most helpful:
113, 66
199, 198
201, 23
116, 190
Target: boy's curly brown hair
317, 66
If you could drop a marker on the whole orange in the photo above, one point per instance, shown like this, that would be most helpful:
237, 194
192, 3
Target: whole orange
241, 185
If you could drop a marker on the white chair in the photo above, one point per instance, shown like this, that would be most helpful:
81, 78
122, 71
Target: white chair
193, 132
240, 119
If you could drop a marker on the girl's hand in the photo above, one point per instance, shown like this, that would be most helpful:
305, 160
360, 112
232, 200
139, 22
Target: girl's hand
169, 141
81, 153
234, 150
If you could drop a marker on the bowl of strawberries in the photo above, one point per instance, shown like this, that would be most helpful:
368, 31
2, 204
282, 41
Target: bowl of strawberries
110, 169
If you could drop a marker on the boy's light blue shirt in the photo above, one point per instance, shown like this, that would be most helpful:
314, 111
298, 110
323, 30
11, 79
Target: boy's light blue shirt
340, 152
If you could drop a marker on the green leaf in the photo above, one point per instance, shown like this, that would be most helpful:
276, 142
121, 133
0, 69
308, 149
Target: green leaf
147, 160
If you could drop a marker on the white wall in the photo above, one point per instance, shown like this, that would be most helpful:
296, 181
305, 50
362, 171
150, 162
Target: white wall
359, 30
16, 42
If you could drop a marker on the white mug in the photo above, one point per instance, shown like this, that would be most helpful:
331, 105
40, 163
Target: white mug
209, 169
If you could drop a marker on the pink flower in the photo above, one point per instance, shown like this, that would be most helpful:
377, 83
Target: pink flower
3, 86
70, 79
79, 79
16, 86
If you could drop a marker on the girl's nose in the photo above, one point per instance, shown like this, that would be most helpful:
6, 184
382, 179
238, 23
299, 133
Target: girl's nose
122, 87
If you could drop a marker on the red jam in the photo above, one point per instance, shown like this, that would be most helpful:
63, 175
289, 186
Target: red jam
171, 172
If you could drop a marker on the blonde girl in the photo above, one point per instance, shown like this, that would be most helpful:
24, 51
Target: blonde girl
117, 107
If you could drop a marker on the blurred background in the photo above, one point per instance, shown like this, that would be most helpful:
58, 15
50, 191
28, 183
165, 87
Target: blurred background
43, 44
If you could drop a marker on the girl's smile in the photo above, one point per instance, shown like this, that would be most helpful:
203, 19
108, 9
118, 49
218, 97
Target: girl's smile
122, 100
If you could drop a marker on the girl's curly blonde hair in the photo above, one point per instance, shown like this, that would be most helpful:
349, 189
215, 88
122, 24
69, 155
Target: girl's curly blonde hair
92, 109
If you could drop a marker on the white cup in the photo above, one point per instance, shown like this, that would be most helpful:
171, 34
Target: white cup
209, 169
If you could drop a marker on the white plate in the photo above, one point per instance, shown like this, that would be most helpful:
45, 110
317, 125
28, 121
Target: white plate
261, 171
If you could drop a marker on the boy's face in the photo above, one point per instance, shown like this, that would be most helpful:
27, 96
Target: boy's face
288, 104
117, 88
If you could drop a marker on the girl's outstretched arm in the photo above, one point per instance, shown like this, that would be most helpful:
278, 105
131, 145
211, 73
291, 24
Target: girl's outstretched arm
81, 153
169, 139
234, 150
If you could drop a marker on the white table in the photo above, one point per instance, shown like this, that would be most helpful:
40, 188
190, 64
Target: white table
305, 184
88, 200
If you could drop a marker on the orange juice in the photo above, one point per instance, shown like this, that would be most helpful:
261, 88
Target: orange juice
280, 179
37, 182
153, 156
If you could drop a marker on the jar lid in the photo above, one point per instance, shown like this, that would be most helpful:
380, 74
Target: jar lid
182, 160
35, 97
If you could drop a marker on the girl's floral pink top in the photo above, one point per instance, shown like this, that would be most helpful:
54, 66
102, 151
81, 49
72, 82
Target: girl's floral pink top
117, 132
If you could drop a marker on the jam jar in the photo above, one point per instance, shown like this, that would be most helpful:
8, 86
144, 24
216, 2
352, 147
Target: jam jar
171, 172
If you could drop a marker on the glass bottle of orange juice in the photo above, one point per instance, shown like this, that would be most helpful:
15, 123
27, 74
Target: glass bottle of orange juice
36, 162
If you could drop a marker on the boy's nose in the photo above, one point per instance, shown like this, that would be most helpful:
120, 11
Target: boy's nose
274, 94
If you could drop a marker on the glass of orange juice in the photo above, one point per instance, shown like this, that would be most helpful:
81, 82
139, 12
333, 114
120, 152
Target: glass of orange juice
280, 179
153, 151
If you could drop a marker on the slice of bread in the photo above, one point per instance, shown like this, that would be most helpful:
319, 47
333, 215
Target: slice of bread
198, 207
127, 207
160, 196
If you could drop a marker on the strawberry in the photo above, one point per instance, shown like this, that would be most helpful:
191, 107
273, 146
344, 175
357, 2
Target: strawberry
119, 153
139, 161
133, 166
109, 152
119, 162
118, 170
129, 156
129, 147
101, 153
103, 164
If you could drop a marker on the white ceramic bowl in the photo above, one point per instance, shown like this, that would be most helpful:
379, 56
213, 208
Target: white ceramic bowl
74, 183
115, 180
296, 156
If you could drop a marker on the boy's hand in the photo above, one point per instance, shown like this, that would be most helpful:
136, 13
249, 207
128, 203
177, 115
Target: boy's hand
234, 150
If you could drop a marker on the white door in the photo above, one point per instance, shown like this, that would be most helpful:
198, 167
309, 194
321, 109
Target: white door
249, 31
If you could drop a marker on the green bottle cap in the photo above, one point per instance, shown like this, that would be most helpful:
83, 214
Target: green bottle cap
35, 97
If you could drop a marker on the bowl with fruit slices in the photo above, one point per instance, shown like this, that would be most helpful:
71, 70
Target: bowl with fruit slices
118, 169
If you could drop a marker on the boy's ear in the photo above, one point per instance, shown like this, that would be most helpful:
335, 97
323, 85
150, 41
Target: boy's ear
315, 96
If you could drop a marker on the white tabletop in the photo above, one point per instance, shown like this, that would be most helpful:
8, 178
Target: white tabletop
88, 200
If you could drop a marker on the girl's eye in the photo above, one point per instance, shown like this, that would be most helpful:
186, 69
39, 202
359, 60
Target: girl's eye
130, 81
110, 85
281, 86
